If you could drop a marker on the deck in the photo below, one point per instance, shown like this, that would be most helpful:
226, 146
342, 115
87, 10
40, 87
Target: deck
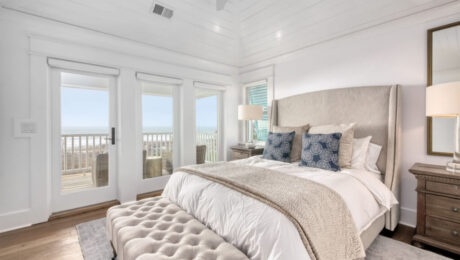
76, 181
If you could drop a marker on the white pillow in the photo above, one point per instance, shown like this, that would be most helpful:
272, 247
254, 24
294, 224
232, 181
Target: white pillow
372, 157
360, 149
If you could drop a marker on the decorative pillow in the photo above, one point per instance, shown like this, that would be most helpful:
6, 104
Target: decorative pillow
278, 146
296, 150
346, 142
373, 154
360, 147
321, 151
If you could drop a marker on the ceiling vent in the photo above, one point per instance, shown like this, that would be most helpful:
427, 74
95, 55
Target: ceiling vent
161, 10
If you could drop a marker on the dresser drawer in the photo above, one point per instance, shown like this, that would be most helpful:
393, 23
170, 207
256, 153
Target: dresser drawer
446, 188
443, 207
446, 231
239, 155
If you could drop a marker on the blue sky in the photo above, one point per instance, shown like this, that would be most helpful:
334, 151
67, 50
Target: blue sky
206, 112
84, 108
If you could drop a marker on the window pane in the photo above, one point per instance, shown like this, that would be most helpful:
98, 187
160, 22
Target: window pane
157, 130
207, 107
84, 131
257, 95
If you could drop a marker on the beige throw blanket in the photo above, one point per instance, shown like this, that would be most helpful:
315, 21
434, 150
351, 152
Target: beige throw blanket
320, 215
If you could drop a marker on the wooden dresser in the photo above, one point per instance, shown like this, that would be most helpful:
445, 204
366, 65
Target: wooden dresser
241, 152
438, 207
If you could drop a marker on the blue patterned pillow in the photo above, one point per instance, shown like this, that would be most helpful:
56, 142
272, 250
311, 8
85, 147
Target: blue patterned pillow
321, 151
278, 146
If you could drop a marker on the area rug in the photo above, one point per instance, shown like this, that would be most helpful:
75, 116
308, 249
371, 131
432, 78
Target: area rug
95, 246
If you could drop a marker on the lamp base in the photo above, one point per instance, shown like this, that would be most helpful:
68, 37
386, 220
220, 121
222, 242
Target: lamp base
453, 166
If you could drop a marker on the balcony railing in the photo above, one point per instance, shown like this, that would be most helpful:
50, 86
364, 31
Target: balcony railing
78, 151
210, 140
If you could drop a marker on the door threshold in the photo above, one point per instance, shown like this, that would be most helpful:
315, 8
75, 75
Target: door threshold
77, 211
149, 194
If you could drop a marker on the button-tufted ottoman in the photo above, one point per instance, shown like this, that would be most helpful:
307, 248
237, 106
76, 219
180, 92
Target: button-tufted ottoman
156, 228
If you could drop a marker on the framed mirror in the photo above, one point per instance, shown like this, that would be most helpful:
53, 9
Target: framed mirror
443, 66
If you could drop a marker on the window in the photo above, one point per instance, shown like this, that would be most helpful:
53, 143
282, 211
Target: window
208, 105
157, 129
85, 121
257, 95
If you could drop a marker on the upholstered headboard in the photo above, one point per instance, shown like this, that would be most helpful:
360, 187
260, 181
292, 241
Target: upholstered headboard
376, 112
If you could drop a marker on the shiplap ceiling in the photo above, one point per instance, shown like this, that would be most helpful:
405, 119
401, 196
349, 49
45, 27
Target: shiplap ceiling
271, 28
196, 28
243, 33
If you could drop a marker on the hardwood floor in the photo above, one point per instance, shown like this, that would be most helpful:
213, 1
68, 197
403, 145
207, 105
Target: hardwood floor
55, 239
58, 239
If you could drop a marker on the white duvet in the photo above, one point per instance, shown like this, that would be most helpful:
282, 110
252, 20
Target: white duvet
262, 232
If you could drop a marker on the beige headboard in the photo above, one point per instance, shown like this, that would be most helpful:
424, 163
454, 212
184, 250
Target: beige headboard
376, 112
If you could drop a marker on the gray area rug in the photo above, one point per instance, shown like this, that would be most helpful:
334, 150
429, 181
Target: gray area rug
95, 246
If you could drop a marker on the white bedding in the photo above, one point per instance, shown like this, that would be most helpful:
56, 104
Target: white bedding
262, 232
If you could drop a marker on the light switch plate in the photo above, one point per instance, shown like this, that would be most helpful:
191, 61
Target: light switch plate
24, 128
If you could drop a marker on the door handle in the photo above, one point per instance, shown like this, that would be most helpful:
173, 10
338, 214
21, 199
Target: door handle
112, 136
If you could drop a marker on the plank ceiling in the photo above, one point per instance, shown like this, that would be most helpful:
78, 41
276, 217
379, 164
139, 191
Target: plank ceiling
196, 28
244, 33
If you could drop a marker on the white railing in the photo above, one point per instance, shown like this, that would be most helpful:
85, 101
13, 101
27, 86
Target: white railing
78, 151
155, 143
210, 140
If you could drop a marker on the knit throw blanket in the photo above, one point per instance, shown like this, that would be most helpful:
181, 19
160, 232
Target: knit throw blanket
320, 215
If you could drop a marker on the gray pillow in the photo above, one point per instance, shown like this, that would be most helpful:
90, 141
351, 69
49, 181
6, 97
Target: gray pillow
321, 151
278, 146
297, 143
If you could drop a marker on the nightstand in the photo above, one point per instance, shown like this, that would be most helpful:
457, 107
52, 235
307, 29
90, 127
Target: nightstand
241, 152
438, 207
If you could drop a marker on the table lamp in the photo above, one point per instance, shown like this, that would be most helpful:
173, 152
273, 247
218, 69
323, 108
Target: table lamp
443, 100
250, 113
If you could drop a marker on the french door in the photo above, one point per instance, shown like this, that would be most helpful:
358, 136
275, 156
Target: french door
84, 125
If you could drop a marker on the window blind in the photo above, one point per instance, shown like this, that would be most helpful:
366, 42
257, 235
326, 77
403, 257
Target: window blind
85, 67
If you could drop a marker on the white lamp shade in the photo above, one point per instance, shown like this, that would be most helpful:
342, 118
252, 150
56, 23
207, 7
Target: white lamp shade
250, 112
443, 100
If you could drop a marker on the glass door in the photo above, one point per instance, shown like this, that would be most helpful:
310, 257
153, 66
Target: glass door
208, 120
84, 128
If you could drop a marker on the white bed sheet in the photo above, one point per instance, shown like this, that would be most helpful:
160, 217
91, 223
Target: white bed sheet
262, 232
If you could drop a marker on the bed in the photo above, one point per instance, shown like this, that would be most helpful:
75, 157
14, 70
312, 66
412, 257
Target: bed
259, 230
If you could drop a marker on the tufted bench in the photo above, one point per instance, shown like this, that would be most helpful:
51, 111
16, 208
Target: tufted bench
156, 228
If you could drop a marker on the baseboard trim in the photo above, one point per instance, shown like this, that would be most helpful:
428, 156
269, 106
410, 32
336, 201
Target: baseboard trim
77, 211
407, 224
408, 217
149, 194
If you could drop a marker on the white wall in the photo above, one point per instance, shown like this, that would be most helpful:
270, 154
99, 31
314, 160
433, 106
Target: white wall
392, 53
26, 42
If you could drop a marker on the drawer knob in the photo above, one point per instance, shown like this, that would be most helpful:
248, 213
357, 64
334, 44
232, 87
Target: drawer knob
455, 209
455, 233
456, 187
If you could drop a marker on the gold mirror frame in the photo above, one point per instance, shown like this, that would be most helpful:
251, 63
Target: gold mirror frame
429, 83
